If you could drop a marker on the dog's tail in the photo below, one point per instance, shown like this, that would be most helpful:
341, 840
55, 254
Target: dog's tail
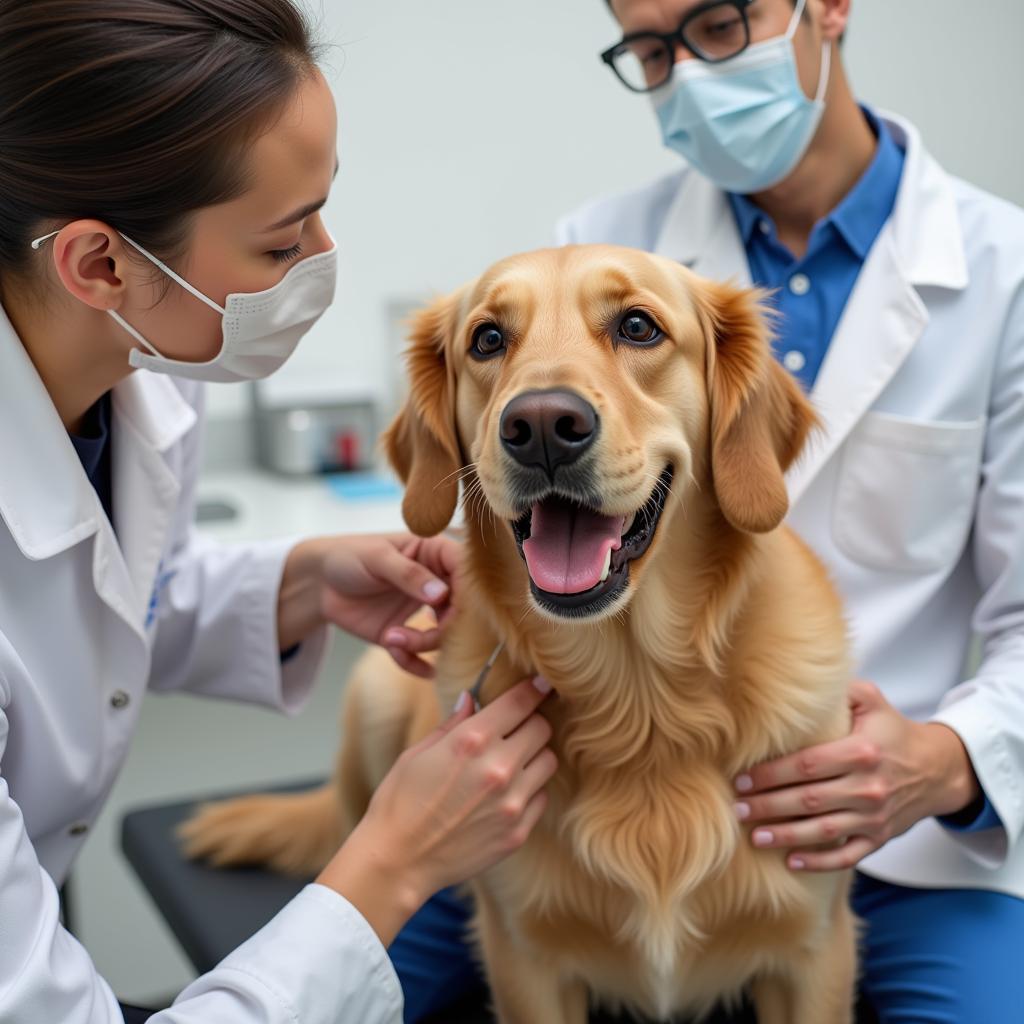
293, 833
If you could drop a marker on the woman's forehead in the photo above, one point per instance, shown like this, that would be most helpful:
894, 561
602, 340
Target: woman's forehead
294, 161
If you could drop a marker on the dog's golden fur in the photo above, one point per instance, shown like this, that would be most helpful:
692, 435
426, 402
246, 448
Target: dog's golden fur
727, 648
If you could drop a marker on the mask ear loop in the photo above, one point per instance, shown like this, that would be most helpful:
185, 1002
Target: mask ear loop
826, 51
134, 333
826, 67
175, 277
39, 241
157, 262
162, 266
795, 20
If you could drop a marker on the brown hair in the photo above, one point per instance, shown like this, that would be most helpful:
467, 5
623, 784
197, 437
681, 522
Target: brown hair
133, 111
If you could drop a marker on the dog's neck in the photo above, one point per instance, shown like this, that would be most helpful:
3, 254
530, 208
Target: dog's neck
675, 635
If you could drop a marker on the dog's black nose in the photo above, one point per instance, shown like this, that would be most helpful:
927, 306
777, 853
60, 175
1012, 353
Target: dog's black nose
548, 428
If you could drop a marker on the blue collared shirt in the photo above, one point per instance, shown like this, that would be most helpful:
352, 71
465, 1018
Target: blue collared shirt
810, 294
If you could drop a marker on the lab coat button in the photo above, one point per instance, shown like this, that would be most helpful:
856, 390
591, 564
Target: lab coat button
799, 284
794, 361
78, 830
120, 699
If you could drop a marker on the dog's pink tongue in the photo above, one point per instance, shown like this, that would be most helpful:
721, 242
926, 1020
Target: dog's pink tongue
566, 547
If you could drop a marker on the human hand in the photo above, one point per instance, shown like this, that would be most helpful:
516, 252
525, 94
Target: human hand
373, 584
835, 803
369, 586
453, 805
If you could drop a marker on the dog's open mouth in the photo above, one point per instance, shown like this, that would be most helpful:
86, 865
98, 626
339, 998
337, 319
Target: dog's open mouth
578, 559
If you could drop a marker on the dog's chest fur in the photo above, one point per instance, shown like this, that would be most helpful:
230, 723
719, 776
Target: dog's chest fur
650, 887
639, 878
640, 864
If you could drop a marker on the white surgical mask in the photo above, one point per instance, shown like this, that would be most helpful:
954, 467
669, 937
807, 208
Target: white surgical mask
260, 329
745, 123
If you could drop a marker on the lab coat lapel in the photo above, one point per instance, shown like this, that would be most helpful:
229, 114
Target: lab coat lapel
149, 416
884, 319
46, 499
700, 232
921, 245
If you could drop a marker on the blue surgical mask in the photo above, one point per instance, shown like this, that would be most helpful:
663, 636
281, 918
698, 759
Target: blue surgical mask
745, 123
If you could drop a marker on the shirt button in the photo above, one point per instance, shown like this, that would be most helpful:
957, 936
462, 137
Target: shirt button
78, 830
764, 227
119, 699
799, 284
794, 361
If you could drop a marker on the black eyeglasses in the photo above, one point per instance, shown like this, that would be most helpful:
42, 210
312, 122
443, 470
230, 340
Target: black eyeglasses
713, 32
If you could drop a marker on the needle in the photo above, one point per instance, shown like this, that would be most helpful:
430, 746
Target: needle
484, 672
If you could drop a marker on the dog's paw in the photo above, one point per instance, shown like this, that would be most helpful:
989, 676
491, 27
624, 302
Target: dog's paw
274, 831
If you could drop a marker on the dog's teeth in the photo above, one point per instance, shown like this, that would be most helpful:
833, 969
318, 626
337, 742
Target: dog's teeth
628, 524
607, 565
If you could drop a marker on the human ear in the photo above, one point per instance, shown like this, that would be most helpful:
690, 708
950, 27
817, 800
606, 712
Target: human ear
90, 259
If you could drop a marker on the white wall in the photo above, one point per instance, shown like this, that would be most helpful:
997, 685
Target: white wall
954, 67
469, 126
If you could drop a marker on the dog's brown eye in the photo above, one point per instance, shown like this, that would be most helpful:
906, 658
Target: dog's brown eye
638, 329
487, 341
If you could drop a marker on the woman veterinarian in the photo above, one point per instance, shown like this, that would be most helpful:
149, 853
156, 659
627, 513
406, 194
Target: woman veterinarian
162, 163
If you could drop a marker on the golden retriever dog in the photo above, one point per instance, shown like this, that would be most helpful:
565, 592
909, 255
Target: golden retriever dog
620, 431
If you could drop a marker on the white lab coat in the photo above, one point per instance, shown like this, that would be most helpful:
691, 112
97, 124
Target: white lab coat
88, 622
913, 494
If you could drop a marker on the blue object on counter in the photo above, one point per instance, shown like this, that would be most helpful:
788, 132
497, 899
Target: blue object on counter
363, 486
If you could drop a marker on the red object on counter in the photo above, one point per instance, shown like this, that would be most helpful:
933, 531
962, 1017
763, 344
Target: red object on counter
346, 450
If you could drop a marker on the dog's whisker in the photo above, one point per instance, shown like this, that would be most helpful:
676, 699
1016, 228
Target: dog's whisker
667, 492
475, 486
460, 473
478, 503
485, 509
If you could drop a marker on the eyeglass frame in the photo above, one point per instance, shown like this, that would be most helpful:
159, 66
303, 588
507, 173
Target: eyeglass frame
670, 39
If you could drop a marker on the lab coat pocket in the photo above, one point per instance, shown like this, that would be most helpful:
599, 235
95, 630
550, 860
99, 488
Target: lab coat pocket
906, 491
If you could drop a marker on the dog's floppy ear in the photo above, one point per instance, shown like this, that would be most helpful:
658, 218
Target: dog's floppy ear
759, 415
421, 442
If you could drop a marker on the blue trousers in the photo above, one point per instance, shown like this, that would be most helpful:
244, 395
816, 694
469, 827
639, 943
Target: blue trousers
930, 956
